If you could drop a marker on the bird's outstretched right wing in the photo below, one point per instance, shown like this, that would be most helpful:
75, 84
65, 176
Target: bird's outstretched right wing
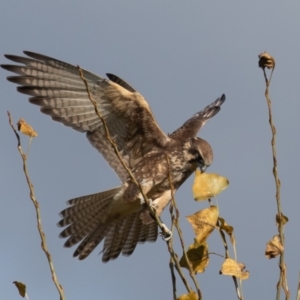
191, 127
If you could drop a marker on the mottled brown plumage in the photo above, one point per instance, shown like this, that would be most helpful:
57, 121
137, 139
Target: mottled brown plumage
116, 216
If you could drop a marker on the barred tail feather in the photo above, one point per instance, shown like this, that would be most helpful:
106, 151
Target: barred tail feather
89, 221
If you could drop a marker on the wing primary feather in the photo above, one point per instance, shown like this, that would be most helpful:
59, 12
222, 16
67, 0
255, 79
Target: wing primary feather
191, 127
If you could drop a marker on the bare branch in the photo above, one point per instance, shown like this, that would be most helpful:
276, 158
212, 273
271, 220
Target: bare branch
177, 225
38, 215
223, 237
267, 61
171, 265
113, 144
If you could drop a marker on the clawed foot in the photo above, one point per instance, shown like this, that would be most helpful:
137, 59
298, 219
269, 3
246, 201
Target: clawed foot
150, 203
166, 234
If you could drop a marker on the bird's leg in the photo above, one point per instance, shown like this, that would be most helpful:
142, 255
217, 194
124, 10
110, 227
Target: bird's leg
143, 201
149, 202
147, 218
166, 234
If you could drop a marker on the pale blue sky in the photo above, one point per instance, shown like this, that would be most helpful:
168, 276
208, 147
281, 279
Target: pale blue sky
180, 55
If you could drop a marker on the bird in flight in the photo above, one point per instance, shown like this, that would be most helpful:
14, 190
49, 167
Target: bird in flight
118, 216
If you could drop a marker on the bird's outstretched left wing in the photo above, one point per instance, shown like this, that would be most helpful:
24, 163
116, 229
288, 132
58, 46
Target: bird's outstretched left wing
191, 127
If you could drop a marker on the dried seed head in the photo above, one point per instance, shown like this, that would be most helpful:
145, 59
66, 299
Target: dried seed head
266, 61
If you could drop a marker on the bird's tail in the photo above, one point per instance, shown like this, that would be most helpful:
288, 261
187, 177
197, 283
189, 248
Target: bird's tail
90, 220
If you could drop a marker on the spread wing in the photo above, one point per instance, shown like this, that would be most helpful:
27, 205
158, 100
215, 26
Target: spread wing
191, 127
57, 87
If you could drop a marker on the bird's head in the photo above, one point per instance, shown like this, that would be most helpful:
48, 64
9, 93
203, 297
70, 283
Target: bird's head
199, 153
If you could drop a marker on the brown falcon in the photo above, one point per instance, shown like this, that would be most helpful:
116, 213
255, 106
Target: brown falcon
116, 216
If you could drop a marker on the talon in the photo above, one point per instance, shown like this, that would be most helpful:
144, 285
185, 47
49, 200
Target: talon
143, 202
150, 203
166, 234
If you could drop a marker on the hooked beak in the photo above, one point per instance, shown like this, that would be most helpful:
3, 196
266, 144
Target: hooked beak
202, 168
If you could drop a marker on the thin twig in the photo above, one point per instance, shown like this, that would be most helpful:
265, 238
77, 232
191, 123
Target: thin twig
282, 282
177, 225
174, 257
172, 262
214, 253
223, 237
237, 288
171, 265
38, 215
177, 267
113, 144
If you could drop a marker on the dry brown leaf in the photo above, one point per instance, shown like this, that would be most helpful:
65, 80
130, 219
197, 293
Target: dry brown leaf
284, 219
208, 185
228, 229
266, 61
190, 296
274, 247
204, 222
26, 128
198, 257
233, 268
21, 288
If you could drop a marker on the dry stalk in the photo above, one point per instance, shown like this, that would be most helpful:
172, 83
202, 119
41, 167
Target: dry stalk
174, 258
38, 214
177, 266
282, 282
237, 288
173, 277
177, 225
223, 237
172, 262
113, 144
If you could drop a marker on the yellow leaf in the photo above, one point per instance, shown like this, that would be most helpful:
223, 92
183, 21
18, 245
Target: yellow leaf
198, 257
227, 228
26, 128
21, 288
233, 268
274, 247
204, 222
189, 296
208, 185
